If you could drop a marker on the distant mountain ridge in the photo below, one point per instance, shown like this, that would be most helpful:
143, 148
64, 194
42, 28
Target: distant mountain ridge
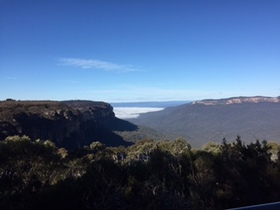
239, 100
212, 120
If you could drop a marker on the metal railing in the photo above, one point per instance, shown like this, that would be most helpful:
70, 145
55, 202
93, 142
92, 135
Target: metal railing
267, 206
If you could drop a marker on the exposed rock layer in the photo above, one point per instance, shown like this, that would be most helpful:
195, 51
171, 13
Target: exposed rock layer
239, 100
212, 120
70, 124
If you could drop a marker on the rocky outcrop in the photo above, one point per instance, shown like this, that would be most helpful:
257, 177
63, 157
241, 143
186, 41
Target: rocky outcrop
92, 110
70, 124
239, 100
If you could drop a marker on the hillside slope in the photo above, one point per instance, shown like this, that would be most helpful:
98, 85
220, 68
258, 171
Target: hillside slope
212, 120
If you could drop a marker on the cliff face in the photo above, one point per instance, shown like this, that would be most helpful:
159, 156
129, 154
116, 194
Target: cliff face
239, 100
91, 110
70, 124
212, 120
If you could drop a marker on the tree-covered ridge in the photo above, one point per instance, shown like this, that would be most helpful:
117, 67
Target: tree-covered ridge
146, 175
200, 123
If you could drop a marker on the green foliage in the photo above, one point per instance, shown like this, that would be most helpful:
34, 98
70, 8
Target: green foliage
26, 167
147, 175
141, 133
96, 145
212, 147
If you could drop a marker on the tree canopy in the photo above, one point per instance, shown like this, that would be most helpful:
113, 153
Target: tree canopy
147, 175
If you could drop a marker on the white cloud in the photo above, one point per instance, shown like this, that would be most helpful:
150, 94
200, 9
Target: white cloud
133, 112
96, 64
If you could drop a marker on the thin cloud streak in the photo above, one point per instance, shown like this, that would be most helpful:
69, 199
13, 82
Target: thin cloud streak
11, 78
96, 64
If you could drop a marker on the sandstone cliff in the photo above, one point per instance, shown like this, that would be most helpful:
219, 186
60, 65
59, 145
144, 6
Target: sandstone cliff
239, 100
70, 124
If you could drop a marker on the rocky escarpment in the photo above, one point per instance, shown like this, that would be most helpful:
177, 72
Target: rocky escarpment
212, 120
70, 124
92, 110
239, 100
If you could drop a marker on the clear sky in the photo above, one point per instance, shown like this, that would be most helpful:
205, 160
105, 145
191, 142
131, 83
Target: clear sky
139, 50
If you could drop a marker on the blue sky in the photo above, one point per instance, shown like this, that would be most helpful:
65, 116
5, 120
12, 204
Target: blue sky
139, 50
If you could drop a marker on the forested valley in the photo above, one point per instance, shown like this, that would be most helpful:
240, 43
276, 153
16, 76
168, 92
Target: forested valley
147, 175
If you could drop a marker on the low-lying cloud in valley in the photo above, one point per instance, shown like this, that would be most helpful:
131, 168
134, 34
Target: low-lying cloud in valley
133, 112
